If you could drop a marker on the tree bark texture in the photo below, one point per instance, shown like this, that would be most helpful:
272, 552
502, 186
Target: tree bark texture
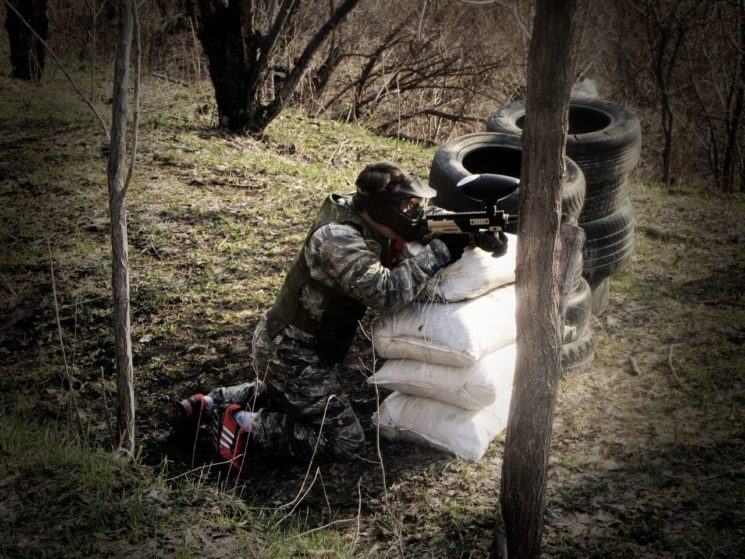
27, 53
119, 248
232, 46
539, 321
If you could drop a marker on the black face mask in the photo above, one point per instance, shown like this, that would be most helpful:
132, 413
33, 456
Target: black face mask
401, 212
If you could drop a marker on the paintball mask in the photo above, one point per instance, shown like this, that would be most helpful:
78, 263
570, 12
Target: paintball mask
393, 198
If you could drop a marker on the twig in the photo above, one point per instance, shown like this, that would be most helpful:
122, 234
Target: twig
155, 251
319, 528
72, 406
169, 79
198, 469
196, 435
359, 513
325, 494
301, 494
106, 405
299, 498
85, 302
56, 312
420, 25
398, 532
195, 52
633, 367
683, 387
64, 71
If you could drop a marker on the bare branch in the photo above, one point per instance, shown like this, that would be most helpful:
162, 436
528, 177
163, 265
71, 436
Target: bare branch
288, 88
64, 70
285, 14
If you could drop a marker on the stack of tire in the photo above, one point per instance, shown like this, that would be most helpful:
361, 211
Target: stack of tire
500, 153
604, 140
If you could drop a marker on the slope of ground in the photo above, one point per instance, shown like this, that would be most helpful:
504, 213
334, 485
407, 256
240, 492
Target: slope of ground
647, 457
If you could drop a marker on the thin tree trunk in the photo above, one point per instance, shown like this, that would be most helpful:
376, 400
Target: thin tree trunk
119, 249
538, 286
729, 176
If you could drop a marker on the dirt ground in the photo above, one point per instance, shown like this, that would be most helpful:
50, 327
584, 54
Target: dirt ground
647, 457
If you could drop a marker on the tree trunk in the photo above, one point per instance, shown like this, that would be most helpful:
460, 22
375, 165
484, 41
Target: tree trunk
27, 53
230, 46
240, 56
539, 321
119, 249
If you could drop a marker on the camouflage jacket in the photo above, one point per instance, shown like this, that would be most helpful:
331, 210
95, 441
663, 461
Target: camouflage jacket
338, 274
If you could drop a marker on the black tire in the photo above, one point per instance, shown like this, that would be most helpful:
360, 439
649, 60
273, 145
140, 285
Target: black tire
602, 199
578, 356
487, 152
600, 296
578, 312
604, 139
609, 244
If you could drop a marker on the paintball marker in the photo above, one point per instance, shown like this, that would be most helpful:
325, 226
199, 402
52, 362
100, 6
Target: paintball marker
489, 189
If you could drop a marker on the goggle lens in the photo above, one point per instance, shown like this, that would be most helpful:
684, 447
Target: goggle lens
412, 207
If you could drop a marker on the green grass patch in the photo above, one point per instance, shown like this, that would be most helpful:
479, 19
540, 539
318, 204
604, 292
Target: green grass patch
66, 498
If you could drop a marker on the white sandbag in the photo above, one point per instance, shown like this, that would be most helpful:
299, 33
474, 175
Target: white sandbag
471, 388
457, 334
475, 273
465, 433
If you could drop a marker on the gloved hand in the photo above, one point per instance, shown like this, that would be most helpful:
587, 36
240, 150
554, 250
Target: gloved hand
496, 243
456, 244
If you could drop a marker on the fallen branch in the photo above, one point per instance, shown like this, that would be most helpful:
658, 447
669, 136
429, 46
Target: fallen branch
169, 79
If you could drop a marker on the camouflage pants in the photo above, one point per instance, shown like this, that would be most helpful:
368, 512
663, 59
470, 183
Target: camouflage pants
306, 410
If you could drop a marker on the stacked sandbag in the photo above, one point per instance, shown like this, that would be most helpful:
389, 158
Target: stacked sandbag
604, 140
450, 357
501, 153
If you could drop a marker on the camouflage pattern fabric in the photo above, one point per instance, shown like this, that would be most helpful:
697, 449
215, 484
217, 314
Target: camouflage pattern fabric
307, 413
339, 257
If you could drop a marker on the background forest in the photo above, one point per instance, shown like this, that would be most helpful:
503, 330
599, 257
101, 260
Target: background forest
434, 70
647, 455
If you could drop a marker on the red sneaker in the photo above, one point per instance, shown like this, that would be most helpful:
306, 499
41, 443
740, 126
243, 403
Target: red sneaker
231, 444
